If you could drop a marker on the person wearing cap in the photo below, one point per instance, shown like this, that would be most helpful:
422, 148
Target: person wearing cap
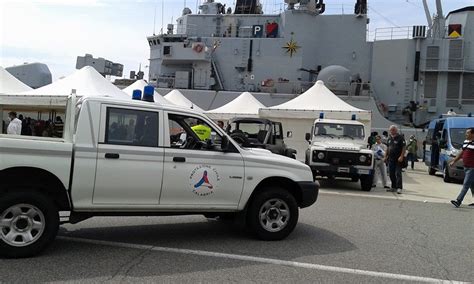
14, 127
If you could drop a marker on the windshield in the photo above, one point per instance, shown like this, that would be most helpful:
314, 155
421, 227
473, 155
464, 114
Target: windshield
458, 135
253, 132
335, 130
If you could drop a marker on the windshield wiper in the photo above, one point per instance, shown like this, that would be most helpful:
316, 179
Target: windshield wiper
345, 135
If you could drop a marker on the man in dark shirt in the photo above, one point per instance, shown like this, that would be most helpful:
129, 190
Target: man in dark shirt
395, 155
467, 155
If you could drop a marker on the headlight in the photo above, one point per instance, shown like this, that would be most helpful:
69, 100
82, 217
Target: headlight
321, 155
363, 158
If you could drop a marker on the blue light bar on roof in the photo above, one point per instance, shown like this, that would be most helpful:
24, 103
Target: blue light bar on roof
137, 95
148, 93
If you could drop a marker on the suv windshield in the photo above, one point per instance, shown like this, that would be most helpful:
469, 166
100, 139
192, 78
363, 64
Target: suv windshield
458, 135
254, 131
339, 130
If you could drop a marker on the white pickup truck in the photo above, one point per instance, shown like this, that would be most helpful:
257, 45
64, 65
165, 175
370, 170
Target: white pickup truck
126, 158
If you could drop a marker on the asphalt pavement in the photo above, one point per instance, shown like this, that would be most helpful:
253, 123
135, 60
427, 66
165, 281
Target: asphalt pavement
348, 236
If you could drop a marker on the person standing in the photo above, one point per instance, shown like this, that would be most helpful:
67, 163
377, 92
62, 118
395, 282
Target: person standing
380, 167
385, 137
395, 155
412, 148
467, 155
220, 123
14, 127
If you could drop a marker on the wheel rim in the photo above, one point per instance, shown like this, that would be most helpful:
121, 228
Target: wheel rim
21, 225
274, 215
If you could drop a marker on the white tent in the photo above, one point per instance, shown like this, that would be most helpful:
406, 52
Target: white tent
298, 115
245, 105
86, 81
10, 84
140, 85
311, 103
177, 98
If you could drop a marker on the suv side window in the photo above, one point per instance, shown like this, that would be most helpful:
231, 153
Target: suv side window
187, 132
131, 127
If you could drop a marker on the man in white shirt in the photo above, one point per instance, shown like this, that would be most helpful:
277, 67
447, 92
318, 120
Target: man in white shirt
14, 127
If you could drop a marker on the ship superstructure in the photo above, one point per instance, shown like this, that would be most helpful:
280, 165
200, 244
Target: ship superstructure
413, 73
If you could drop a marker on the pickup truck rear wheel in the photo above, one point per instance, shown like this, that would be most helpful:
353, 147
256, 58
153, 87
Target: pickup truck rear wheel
272, 214
29, 222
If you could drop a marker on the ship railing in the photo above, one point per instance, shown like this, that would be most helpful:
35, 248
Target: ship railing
393, 33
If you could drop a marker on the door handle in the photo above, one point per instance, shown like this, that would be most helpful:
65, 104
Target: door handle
179, 159
112, 156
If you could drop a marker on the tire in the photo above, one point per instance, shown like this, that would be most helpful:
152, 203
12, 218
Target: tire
366, 182
266, 208
22, 234
431, 171
446, 177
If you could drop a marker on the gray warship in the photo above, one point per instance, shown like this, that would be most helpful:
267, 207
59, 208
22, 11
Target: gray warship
409, 74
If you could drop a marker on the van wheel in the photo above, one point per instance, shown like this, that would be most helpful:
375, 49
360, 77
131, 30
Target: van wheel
446, 177
366, 182
29, 222
272, 214
431, 171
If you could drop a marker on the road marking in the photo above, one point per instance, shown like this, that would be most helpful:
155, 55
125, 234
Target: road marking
393, 196
264, 260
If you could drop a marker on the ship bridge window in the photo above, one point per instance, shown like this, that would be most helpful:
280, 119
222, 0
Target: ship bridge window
150, 42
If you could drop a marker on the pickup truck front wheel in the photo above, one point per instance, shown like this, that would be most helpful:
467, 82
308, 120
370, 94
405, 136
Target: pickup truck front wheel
272, 214
29, 222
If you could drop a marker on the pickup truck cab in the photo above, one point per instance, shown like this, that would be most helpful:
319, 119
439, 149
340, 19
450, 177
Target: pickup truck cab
338, 148
121, 158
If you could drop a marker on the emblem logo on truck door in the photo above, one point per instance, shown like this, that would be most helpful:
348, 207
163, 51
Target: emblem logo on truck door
204, 180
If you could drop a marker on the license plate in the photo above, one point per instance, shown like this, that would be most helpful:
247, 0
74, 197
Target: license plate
343, 170
364, 172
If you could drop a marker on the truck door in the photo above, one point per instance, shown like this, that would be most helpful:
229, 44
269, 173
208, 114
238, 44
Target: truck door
443, 156
196, 171
129, 159
427, 147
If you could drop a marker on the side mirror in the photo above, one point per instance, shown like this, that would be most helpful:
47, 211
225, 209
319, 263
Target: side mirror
289, 134
225, 143
308, 137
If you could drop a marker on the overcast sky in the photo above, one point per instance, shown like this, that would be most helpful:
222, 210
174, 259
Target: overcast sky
55, 32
